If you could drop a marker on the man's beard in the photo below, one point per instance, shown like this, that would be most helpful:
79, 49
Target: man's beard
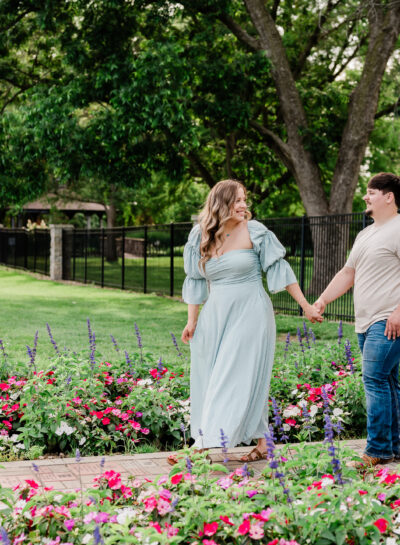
368, 213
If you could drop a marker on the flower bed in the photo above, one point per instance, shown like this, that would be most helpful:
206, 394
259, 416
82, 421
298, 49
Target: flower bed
102, 407
304, 496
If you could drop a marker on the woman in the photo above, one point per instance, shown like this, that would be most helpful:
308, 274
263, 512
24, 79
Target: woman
232, 343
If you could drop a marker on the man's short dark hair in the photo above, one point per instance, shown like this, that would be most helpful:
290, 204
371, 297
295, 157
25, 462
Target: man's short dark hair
386, 182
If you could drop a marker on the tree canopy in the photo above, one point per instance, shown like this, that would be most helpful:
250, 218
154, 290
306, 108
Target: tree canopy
116, 98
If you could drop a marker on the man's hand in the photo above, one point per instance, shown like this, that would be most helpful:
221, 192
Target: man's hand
392, 330
312, 314
188, 332
320, 305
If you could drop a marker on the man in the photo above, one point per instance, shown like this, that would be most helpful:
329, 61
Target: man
373, 267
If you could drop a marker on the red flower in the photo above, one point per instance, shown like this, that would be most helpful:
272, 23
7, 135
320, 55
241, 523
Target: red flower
32, 484
105, 421
244, 527
175, 479
362, 492
156, 526
227, 520
381, 524
290, 421
209, 529
99, 414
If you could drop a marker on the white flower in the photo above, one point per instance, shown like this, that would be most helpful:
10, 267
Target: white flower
82, 441
64, 428
337, 411
20, 446
391, 541
286, 427
313, 410
126, 515
87, 538
14, 437
291, 411
145, 382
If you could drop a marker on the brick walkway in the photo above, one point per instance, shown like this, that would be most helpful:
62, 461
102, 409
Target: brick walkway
67, 475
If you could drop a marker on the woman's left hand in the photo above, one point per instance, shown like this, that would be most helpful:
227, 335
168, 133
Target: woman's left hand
312, 314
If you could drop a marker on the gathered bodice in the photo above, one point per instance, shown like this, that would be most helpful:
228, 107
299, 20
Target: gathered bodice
234, 267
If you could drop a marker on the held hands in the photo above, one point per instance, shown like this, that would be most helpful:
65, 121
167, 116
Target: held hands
188, 332
392, 330
312, 313
320, 305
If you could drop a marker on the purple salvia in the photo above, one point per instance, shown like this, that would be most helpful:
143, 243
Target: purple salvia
77, 456
300, 339
296, 365
3, 350
98, 540
5, 540
325, 399
35, 467
127, 359
102, 462
139, 341
306, 416
312, 335
115, 343
349, 356
278, 421
53, 342
306, 334
337, 472
189, 464
224, 445
174, 503
274, 464
68, 380
176, 344
340, 332
287, 343
338, 427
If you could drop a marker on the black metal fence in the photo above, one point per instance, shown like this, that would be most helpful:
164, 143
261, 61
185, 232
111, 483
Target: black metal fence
24, 249
150, 258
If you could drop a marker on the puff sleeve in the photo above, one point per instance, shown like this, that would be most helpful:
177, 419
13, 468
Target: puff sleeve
194, 290
271, 253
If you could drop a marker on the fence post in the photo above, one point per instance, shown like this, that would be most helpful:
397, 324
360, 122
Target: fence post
123, 259
56, 251
145, 261
302, 257
67, 250
171, 262
102, 257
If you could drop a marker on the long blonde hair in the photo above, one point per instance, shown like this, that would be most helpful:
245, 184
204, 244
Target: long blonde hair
216, 212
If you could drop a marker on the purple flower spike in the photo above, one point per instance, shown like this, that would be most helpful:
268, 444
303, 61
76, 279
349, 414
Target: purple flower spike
138, 336
337, 472
287, 343
5, 540
77, 456
189, 464
274, 464
53, 342
3, 350
306, 334
176, 344
340, 332
35, 467
115, 343
349, 356
278, 421
224, 445
300, 339
98, 540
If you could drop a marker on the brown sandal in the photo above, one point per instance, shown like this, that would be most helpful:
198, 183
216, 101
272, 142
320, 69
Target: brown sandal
253, 456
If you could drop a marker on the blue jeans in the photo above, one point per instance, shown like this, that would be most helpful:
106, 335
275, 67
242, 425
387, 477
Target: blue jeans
381, 359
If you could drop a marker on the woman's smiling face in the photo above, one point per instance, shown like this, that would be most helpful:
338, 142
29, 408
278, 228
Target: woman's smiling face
239, 207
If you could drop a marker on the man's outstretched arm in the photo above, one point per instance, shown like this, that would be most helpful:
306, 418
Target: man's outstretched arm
340, 283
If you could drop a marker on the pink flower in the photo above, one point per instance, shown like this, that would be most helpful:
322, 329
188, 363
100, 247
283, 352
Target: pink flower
69, 524
209, 542
381, 496
163, 507
251, 493
101, 517
209, 529
156, 526
244, 527
175, 479
362, 492
381, 524
171, 531
162, 480
150, 503
32, 484
256, 532
264, 515
145, 431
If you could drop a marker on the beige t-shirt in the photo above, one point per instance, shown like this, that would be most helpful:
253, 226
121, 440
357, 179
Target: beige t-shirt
375, 257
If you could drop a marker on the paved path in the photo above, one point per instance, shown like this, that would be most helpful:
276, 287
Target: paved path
66, 474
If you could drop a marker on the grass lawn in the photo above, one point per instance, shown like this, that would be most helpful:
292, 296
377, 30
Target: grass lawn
27, 303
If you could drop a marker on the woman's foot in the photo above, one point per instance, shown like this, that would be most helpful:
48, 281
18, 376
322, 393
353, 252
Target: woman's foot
254, 455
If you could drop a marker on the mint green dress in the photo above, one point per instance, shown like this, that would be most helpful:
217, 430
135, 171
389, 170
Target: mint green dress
232, 349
